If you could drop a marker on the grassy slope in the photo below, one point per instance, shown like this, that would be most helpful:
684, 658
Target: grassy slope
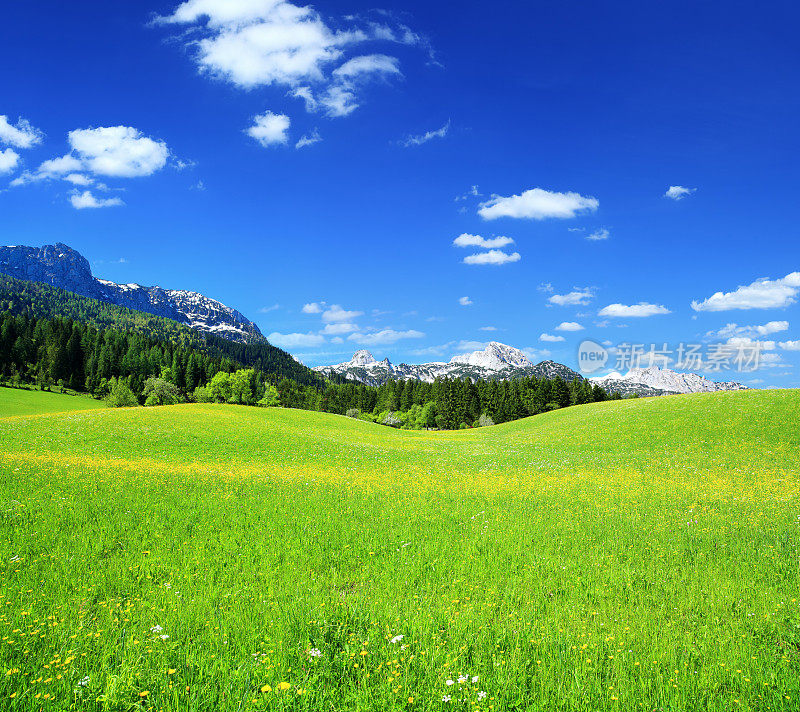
625, 555
17, 401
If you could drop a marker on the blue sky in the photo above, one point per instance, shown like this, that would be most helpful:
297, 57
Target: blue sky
273, 155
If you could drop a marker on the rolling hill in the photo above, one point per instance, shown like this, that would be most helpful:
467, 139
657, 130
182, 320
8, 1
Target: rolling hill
621, 555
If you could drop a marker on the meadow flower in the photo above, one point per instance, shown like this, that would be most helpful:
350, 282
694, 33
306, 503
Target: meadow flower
474, 679
314, 653
462, 679
446, 698
396, 639
482, 695
449, 683
156, 629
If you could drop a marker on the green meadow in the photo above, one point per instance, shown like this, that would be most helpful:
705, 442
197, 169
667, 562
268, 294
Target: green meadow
20, 401
629, 555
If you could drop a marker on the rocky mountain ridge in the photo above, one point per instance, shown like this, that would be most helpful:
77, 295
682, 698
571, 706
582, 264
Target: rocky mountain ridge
64, 267
496, 362
656, 380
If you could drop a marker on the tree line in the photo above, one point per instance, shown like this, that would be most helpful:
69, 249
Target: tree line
47, 302
129, 368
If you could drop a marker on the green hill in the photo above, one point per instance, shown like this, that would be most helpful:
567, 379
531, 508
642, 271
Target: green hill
628, 555
17, 401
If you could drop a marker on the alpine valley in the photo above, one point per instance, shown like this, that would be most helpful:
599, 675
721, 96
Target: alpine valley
64, 268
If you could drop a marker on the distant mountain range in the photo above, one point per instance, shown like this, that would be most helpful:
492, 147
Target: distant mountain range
496, 362
65, 268
661, 381
501, 362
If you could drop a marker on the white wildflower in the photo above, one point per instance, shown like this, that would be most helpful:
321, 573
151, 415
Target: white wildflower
396, 639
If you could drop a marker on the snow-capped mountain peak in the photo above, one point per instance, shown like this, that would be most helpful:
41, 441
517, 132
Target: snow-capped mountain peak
495, 361
495, 357
66, 268
362, 358
664, 379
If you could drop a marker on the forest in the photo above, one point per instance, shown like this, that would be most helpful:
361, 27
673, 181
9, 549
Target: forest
130, 368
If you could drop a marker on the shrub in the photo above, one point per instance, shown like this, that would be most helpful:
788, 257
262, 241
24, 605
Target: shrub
121, 396
353, 413
270, 399
483, 421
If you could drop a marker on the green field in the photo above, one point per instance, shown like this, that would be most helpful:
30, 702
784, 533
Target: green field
629, 555
18, 401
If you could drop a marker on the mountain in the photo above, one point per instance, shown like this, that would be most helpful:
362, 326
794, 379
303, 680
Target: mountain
496, 362
661, 381
61, 266
44, 301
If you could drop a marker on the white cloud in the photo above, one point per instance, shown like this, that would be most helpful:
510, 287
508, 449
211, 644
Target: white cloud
467, 240
601, 234
729, 330
117, 151
23, 135
312, 308
367, 64
254, 43
267, 310
678, 192
339, 100
335, 313
293, 341
269, 129
427, 136
492, 257
569, 326
307, 96
56, 167
745, 341
538, 204
473, 192
761, 294
642, 309
578, 296
9, 160
488, 328
339, 328
385, 336
550, 337
789, 345
469, 345
535, 354
78, 179
309, 139
84, 200
464, 301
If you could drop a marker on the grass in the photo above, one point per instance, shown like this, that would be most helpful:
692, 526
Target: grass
21, 401
633, 555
